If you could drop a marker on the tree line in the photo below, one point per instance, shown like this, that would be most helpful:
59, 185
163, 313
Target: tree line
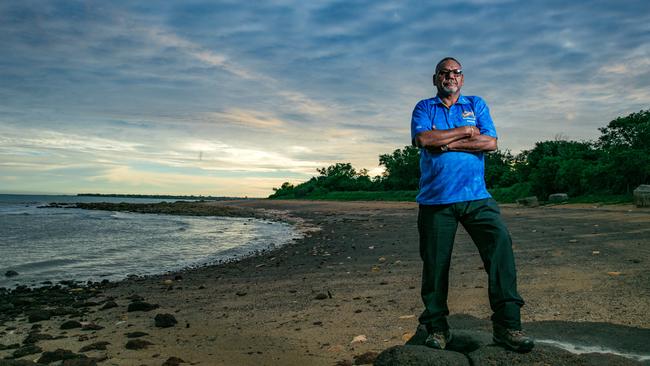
613, 164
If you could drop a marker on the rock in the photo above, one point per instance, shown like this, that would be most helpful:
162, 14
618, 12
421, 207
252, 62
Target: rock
81, 362
321, 296
29, 349
173, 361
642, 195
91, 326
137, 344
95, 346
9, 346
70, 324
540, 355
11, 273
34, 337
58, 355
38, 315
365, 358
108, 305
420, 356
6, 362
528, 201
165, 320
361, 338
141, 306
558, 197
136, 334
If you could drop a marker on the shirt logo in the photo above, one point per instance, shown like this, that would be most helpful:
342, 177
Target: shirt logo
467, 114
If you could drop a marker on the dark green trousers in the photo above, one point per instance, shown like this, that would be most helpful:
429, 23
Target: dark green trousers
437, 226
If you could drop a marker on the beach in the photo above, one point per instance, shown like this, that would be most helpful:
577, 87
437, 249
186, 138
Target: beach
350, 289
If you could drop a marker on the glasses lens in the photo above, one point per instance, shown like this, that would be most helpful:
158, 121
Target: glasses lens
450, 73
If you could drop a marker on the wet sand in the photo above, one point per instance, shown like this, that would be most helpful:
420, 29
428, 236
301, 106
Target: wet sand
357, 273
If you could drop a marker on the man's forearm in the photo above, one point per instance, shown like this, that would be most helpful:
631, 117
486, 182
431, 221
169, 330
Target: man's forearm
474, 144
436, 138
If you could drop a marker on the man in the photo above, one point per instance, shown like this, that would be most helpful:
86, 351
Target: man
453, 132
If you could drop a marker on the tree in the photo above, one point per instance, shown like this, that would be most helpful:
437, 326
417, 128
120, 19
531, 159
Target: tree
402, 169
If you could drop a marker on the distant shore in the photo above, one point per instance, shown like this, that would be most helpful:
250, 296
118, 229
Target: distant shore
164, 196
350, 289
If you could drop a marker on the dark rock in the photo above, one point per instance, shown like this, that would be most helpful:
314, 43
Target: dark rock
108, 305
80, 362
94, 346
141, 306
137, 344
70, 324
61, 311
321, 296
11, 273
365, 358
38, 315
420, 356
540, 355
178, 278
91, 326
5, 307
606, 359
9, 346
136, 334
241, 293
173, 361
58, 355
463, 341
18, 363
35, 337
165, 320
343, 363
29, 349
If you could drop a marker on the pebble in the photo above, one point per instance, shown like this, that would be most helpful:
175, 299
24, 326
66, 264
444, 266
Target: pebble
173, 361
139, 305
321, 296
137, 344
11, 273
70, 324
58, 355
94, 346
136, 334
165, 320
29, 349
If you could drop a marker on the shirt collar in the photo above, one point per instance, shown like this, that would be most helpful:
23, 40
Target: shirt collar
461, 100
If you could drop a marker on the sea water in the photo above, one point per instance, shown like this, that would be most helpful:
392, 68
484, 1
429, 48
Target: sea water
54, 244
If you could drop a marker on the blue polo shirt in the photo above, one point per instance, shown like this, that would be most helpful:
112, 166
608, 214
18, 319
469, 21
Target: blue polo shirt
451, 177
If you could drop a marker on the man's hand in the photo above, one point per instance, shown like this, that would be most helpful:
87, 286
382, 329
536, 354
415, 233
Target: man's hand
474, 144
435, 139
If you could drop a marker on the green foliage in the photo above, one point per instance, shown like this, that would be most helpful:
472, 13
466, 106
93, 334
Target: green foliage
402, 169
607, 169
512, 193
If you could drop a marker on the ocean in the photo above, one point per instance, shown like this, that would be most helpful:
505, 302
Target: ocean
54, 244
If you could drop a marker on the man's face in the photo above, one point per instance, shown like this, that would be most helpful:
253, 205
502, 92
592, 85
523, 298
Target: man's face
446, 81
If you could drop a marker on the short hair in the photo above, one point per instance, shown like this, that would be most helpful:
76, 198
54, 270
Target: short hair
447, 59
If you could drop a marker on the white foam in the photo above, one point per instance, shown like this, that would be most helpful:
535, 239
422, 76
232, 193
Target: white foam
580, 349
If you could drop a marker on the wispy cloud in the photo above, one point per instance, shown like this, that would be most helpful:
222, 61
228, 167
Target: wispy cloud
184, 90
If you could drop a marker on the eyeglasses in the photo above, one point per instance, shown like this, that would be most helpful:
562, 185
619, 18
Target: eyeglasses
450, 73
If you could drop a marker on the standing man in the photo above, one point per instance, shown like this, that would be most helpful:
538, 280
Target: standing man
453, 131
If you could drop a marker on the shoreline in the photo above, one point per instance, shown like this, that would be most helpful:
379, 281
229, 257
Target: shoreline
304, 303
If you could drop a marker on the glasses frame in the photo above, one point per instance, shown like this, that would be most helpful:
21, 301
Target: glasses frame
454, 73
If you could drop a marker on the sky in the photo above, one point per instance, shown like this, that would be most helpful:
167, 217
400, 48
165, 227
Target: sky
232, 98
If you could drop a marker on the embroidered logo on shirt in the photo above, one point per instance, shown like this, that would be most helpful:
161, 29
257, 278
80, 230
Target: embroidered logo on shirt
467, 114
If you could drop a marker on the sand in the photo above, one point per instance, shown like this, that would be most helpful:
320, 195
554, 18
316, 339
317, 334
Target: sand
356, 273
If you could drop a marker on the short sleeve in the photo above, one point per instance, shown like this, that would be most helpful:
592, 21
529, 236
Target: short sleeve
483, 119
421, 119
